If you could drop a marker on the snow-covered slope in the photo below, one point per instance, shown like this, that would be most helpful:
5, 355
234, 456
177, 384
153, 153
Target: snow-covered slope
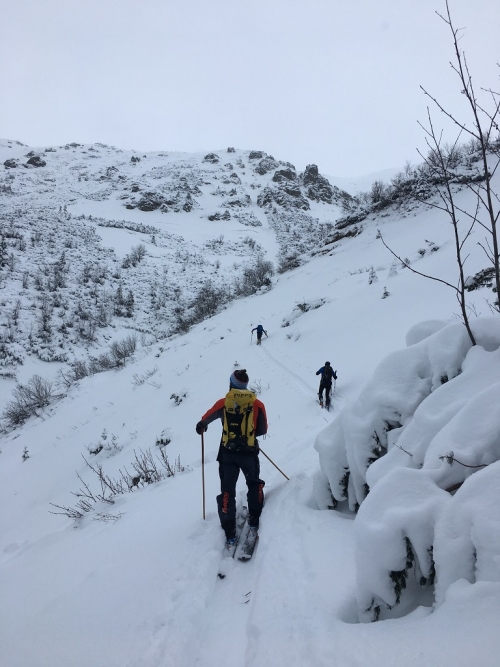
135, 582
98, 242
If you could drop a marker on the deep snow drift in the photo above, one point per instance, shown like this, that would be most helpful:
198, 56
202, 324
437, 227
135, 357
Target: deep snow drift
428, 420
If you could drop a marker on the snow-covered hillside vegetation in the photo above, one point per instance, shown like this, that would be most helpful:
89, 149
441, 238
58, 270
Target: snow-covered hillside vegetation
99, 245
130, 284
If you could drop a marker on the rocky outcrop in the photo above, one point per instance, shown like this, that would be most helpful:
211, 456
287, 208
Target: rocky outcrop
266, 164
154, 201
36, 161
310, 175
284, 175
287, 197
318, 188
239, 201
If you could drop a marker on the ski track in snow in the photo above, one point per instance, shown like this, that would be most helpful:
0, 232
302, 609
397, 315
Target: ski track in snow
287, 374
280, 562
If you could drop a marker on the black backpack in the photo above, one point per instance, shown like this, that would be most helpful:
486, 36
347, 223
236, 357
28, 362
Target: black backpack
328, 374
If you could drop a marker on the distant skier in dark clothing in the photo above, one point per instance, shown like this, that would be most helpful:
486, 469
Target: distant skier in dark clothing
260, 330
327, 375
243, 418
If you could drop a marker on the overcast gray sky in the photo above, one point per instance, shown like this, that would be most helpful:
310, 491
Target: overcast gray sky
334, 82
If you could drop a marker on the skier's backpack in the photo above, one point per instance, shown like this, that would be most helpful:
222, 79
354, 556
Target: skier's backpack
328, 374
238, 431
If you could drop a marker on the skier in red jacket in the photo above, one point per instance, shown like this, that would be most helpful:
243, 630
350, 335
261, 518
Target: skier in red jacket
243, 418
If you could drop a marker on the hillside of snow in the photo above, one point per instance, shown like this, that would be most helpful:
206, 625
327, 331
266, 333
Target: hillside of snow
98, 244
133, 581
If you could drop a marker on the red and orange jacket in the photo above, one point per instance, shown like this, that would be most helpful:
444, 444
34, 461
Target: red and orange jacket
259, 415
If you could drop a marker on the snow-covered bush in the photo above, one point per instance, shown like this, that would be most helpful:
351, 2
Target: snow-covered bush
11, 354
300, 308
35, 395
147, 469
208, 300
394, 540
427, 421
255, 276
123, 349
467, 533
288, 261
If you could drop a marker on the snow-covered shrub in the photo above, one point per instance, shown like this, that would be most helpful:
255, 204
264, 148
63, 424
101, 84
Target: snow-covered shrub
426, 422
147, 469
380, 194
300, 308
123, 349
467, 533
257, 386
178, 398
288, 261
11, 354
208, 300
108, 444
135, 256
35, 395
372, 277
255, 276
418, 183
139, 380
394, 540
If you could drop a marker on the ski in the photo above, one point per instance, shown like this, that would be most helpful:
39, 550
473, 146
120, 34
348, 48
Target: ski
230, 551
248, 546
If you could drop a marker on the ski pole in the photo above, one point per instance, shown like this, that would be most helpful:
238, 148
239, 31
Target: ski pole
251, 338
203, 472
274, 464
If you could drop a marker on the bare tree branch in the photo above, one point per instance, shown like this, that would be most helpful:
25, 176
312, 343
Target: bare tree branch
419, 273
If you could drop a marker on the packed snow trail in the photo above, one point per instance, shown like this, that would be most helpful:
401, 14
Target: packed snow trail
226, 627
218, 621
222, 623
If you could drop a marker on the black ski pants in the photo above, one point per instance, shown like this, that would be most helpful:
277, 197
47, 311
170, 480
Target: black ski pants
230, 464
327, 387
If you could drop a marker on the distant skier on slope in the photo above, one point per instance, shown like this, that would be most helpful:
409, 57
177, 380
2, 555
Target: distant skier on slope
243, 418
260, 330
327, 375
